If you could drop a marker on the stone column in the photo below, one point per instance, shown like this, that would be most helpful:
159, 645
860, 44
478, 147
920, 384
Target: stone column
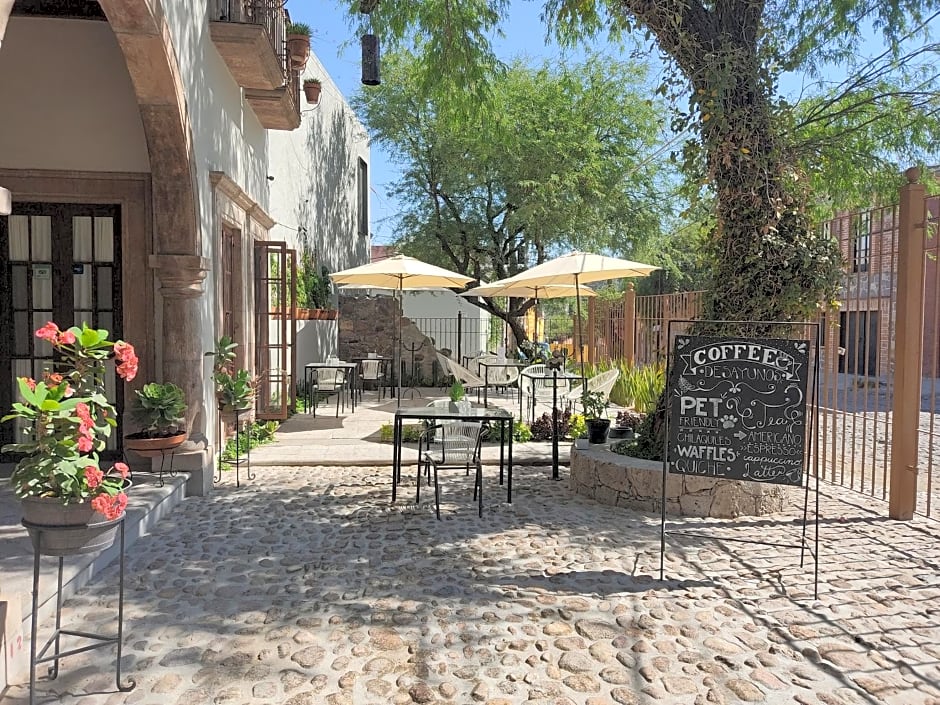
181, 278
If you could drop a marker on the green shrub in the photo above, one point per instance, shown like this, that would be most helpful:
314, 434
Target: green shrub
521, 433
646, 384
410, 432
577, 426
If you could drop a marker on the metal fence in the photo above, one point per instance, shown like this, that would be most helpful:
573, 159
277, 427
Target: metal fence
879, 402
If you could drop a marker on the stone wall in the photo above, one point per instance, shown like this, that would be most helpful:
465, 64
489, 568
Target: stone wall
633, 483
369, 324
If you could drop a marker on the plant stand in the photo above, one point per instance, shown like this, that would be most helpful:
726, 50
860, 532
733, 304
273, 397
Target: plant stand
238, 459
161, 453
37, 655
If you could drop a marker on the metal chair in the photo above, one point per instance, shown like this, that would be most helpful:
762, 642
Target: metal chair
603, 382
373, 371
331, 381
460, 443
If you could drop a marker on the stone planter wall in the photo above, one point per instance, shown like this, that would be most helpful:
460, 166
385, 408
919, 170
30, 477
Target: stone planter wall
621, 481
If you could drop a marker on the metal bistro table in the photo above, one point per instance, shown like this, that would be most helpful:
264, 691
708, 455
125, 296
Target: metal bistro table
350, 368
430, 413
498, 364
553, 379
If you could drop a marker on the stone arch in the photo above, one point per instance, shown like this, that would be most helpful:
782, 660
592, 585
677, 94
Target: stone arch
143, 34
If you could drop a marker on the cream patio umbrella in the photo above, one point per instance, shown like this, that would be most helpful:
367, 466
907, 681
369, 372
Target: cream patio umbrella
399, 273
526, 290
577, 268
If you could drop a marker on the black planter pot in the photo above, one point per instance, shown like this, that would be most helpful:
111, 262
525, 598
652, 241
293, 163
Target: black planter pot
597, 430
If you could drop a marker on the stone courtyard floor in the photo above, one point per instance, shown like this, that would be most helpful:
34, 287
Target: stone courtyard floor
305, 586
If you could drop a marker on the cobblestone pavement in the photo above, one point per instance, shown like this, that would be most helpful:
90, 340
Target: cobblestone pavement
306, 587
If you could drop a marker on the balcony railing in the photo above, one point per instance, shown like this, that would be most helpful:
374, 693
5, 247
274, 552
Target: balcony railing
251, 37
269, 14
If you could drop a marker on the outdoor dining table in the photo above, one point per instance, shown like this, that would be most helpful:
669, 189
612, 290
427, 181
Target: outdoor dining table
498, 364
431, 413
553, 378
350, 368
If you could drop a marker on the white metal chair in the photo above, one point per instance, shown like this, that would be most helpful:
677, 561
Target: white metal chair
535, 389
332, 381
466, 377
603, 382
373, 371
460, 446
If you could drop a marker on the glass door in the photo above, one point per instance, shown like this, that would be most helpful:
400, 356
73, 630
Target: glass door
58, 262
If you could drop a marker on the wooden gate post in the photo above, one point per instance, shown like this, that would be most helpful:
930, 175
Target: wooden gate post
908, 351
629, 324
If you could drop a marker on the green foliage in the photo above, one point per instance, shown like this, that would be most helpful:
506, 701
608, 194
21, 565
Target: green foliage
594, 404
410, 432
521, 433
577, 426
257, 434
313, 286
644, 386
161, 407
553, 159
234, 389
456, 391
298, 28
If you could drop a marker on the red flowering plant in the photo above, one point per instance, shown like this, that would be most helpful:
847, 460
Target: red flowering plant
68, 420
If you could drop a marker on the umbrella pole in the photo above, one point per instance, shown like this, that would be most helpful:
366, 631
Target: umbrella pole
401, 312
580, 332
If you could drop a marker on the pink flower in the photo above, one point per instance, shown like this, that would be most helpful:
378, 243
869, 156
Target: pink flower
122, 469
66, 337
93, 476
85, 444
84, 413
68, 391
49, 332
111, 507
31, 383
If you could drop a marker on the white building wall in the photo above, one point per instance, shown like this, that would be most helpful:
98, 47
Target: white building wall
315, 195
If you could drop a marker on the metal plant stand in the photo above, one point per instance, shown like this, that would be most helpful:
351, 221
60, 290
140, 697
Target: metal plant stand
37, 655
238, 459
413, 378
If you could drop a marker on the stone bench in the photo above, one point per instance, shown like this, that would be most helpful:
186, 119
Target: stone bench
634, 483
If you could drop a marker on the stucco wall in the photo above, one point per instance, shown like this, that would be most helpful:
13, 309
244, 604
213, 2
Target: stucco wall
67, 99
314, 196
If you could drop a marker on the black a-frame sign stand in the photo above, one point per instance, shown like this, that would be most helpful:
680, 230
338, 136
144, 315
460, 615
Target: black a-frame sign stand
751, 399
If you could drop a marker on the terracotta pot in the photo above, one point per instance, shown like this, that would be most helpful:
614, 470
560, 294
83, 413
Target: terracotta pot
58, 529
330, 314
298, 49
312, 92
141, 442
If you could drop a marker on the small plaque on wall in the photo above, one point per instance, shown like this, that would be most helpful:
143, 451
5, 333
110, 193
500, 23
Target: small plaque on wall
42, 271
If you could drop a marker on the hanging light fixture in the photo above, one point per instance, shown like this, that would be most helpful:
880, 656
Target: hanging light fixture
370, 60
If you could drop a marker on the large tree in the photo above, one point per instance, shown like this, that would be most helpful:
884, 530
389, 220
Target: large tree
767, 263
552, 158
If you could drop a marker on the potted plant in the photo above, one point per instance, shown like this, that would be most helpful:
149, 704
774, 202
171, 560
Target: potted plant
235, 389
162, 408
595, 408
312, 88
626, 424
298, 44
67, 419
457, 393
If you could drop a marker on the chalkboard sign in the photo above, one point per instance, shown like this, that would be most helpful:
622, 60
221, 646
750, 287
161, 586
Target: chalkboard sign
737, 408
